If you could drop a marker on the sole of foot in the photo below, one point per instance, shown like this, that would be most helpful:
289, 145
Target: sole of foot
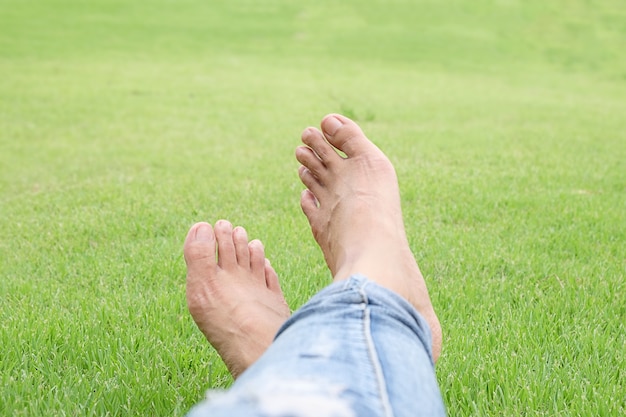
353, 205
233, 293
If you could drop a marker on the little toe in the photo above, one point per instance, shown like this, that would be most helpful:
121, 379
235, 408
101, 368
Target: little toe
240, 239
226, 255
346, 135
271, 278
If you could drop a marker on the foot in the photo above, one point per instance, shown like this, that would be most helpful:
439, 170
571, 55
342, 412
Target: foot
234, 297
353, 206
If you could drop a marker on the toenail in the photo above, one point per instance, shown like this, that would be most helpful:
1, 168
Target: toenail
203, 232
257, 243
331, 125
223, 223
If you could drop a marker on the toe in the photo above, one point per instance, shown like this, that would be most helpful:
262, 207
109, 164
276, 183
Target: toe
240, 239
271, 277
309, 204
345, 135
309, 180
309, 159
199, 253
315, 140
226, 255
257, 258
199, 249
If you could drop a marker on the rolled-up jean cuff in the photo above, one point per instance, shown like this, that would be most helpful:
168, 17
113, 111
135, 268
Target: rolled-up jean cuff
358, 289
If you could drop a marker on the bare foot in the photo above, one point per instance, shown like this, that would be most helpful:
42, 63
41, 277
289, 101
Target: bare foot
234, 297
353, 207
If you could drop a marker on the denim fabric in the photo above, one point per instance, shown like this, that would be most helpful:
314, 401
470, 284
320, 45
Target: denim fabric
355, 349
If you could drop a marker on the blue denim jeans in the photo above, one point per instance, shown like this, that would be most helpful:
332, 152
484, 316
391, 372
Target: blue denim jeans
355, 349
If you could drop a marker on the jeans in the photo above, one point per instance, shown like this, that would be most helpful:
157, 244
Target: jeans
355, 349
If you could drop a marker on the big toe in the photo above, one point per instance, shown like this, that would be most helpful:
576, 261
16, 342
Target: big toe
199, 251
346, 135
199, 247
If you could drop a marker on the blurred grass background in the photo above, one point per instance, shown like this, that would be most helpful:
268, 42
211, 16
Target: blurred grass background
123, 123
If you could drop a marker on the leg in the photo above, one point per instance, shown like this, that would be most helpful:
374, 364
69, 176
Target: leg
355, 349
361, 346
353, 206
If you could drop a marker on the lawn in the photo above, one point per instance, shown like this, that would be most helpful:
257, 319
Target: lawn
123, 123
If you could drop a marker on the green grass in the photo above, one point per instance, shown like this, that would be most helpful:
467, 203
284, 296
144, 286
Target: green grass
123, 123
